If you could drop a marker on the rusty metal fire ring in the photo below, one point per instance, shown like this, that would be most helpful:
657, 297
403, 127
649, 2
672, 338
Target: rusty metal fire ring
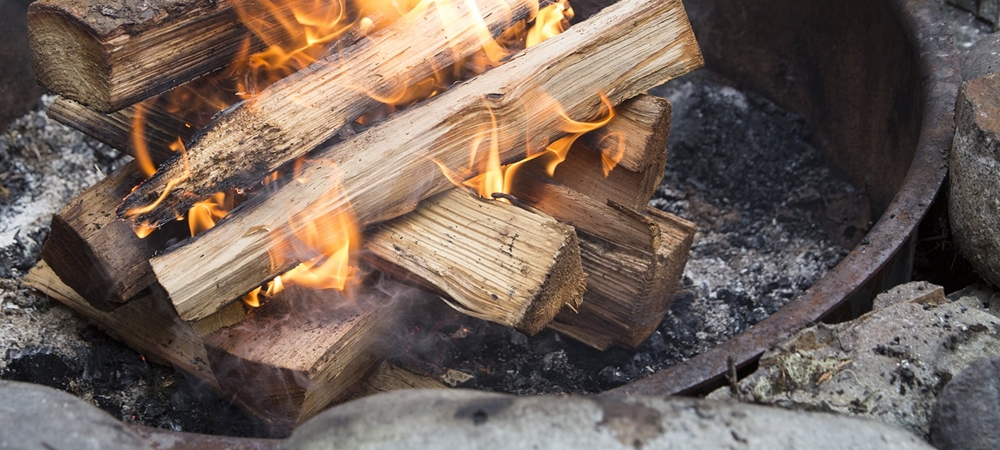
877, 82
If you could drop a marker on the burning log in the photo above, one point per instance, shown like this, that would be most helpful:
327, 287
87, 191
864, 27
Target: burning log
637, 139
300, 112
289, 359
387, 169
492, 260
109, 55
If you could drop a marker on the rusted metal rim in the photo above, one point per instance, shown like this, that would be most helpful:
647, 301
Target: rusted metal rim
869, 267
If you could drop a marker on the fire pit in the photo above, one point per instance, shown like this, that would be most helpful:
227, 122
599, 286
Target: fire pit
871, 82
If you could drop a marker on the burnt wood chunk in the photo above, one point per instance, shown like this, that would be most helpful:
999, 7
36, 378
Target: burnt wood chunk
386, 170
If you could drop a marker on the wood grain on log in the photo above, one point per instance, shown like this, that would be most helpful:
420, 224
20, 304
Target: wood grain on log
115, 129
638, 135
300, 112
386, 170
491, 260
633, 264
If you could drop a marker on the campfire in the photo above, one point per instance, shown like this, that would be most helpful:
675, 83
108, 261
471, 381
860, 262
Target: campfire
289, 157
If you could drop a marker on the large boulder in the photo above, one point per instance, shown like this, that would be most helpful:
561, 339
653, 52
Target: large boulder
974, 197
435, 419
39, 417
890, 364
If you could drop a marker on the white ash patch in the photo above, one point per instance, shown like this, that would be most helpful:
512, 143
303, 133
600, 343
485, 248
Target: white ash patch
44, 165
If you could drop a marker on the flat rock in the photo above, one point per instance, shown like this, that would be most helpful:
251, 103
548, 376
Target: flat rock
967, 416
974, 197
890, 364
38, 417
468, 420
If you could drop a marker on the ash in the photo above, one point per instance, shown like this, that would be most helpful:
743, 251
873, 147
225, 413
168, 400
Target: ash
44, 165
772, 219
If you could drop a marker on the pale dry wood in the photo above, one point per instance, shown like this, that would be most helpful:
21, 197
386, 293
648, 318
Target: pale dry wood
148, 324
640, 127
115, 129
644, 123
489, 259
298, 353
386, 170
232, 314
98, 255
300, 112
389, 377
636, 286
633, 263
110, 54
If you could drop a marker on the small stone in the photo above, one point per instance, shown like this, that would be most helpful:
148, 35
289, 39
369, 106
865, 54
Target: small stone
967, 415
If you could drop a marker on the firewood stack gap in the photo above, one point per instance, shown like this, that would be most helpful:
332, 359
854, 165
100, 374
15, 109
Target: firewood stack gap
344, 149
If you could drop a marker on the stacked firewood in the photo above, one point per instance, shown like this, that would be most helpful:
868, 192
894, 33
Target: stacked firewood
577, 250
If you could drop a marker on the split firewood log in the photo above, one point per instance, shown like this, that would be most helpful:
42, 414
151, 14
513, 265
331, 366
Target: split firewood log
385, 171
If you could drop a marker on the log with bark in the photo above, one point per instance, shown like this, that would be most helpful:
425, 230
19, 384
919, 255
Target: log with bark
109, 55
298, 113
386, 170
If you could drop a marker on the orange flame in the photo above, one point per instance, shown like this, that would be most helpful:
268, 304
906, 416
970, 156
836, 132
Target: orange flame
551, 21
327, 248
497, 178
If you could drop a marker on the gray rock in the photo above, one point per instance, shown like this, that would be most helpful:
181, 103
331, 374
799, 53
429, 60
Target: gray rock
459, 419
38, 417
974, 197
967, 416
889, 365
